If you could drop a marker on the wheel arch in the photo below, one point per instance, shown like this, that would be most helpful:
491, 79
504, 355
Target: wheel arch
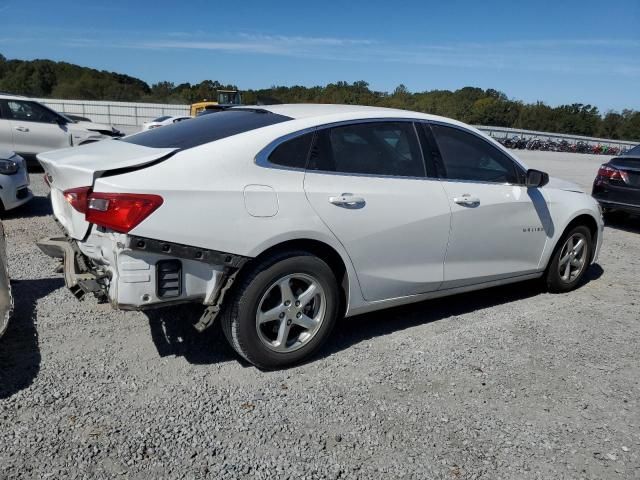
322, 250
586, 219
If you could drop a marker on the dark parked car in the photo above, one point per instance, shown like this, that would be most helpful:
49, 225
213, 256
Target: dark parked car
617, 185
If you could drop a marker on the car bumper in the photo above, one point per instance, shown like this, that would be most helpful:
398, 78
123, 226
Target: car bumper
617, 197
133, 273
14, 189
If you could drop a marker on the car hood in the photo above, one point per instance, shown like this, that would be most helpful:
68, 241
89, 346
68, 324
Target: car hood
561, 184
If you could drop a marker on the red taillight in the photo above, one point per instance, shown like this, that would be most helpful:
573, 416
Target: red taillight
120, 211
77, 198
611, 173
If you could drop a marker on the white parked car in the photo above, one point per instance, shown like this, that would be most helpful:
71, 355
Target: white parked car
28, 128
14, 181
163, 122
284, 218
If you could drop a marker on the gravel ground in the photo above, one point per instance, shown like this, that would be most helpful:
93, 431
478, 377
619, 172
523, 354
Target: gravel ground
507, 383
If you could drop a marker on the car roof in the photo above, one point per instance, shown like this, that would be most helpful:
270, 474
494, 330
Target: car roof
323, 111
11, 96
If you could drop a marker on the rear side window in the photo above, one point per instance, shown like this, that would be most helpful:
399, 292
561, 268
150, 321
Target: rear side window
466, 156
205, 129
371, 148
292, 153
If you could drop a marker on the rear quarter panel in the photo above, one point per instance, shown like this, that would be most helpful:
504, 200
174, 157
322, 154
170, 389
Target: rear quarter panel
204, 203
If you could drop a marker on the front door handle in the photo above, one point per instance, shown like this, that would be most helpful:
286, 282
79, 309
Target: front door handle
347, 200
22, 129
467, 200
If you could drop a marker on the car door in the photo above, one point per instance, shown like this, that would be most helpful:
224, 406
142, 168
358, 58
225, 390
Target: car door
367, 182
35, 128
499, 227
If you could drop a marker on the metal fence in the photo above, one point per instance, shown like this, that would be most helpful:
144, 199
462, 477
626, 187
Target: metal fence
129, 114
504, 132
116, 113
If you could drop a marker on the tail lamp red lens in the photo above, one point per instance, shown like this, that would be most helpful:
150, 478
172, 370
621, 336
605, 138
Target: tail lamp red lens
121, 212
611, 173
77, 198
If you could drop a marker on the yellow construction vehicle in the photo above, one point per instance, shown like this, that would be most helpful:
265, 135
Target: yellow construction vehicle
226, 99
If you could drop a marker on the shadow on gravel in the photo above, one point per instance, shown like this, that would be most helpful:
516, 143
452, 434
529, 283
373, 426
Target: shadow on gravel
353, 330
19, 351
627, 222
173, 333
36, 207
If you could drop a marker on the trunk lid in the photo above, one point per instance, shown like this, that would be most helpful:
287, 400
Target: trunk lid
81, 166
630, 165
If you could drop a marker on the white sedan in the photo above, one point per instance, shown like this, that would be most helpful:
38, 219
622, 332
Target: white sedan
14, 181
282, 219
162, 122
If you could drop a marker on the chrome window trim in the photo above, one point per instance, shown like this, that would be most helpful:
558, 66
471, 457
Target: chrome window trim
262, 158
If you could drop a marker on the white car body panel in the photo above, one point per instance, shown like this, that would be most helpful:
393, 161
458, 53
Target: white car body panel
513, 245
169, 121
387, 237
27, 137
410, 242
36, 137
11, 184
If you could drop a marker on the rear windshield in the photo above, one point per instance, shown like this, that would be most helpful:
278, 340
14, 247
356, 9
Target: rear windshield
635, 151
205, 129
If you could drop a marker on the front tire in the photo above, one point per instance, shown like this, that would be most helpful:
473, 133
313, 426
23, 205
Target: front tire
282, 310
570, 261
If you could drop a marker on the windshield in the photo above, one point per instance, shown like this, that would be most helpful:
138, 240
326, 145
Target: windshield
206, 129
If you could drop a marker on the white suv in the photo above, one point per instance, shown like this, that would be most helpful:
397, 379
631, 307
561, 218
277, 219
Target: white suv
28, 128
286, 217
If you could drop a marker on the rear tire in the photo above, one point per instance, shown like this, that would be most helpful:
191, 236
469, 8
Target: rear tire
570, 260
281, 310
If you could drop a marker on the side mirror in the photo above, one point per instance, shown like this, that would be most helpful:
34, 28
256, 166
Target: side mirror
536, 178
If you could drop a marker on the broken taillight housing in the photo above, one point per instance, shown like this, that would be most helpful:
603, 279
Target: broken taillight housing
120, 212
77, 198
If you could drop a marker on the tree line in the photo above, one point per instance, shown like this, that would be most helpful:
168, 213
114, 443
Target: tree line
45, 78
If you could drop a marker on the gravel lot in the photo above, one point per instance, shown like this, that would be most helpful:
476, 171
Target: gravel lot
507, 383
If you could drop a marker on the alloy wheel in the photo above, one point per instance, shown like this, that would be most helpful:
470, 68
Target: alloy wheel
290, 312
573, 257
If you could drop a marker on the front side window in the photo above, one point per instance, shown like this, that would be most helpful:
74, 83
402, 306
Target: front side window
30, 112
371, 148
466, 156
292, 153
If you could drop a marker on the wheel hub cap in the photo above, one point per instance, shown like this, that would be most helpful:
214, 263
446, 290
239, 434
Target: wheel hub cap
290, 312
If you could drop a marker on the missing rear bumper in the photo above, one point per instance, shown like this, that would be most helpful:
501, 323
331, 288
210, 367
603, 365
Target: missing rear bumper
136, 273
77, 276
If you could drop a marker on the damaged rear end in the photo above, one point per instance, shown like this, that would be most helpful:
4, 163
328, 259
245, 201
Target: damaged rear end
100, 251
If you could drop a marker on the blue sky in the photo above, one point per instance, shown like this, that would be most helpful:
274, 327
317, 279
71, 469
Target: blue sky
558, 52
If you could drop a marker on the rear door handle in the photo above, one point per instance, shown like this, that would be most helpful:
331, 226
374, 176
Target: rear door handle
22, 129
347, 200
467, 200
